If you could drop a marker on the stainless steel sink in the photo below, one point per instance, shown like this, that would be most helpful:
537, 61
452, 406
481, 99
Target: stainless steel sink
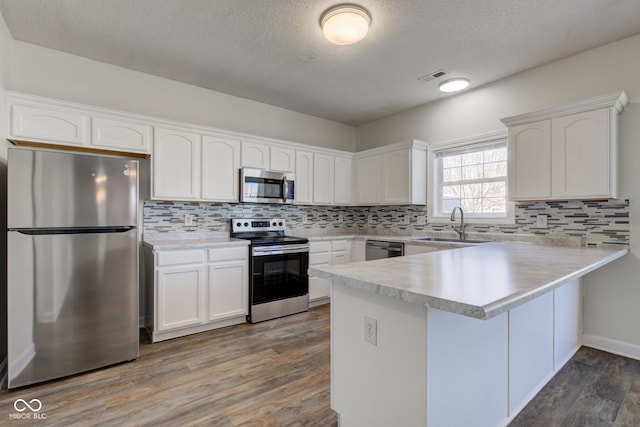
441, 239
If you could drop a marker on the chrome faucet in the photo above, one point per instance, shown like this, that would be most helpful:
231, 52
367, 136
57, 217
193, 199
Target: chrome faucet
459, 230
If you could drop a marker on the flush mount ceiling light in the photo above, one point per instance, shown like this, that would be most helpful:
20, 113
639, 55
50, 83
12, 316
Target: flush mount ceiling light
454, 85
345, 24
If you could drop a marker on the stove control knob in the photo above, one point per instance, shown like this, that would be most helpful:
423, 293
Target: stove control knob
246, 224
280, 224
238, 224
274, 223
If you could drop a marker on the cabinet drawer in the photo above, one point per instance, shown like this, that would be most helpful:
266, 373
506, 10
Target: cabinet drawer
317, 259
319, 247
179, 257
225, 254
340, 245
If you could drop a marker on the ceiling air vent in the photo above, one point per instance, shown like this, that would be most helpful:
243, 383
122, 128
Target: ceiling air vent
432, 76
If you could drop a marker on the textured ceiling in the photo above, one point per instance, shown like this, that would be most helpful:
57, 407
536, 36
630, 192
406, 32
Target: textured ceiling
273, 51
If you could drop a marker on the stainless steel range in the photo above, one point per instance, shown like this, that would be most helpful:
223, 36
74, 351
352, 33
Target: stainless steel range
278, 282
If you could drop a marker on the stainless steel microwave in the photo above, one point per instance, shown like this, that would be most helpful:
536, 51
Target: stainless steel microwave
261, 186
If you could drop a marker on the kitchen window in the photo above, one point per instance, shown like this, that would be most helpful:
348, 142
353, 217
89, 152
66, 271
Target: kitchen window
471, 174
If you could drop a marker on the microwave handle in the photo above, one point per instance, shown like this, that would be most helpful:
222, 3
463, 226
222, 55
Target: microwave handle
285, 188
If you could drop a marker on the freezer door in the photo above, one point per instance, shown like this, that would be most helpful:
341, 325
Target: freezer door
72, 303
56, 189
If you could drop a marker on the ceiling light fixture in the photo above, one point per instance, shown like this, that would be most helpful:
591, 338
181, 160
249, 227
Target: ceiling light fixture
345, 24
454, 85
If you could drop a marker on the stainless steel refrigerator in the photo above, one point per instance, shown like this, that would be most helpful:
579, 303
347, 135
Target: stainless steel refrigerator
72, 263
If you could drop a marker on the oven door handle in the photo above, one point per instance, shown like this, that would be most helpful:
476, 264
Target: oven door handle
278, 250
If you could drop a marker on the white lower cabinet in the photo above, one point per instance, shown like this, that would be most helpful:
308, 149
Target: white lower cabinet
194, 290
228, 283
319, 289
326, 253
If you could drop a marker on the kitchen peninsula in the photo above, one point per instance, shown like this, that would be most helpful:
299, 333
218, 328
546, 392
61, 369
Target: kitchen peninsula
452, 338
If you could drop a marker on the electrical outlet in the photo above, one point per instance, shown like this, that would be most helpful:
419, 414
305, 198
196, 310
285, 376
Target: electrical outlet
370, 330
541, 221
421, 220
188, 219
370, 219
340, 217
406, 219
305, 218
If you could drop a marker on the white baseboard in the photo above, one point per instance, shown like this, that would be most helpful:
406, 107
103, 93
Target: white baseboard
621, 348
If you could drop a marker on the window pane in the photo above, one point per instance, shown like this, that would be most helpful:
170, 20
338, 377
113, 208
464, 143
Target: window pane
451, 174
471, 191
472, 158
451, 161
495, 155
495, 169
475, 180
472, 205
472, 172
494, 205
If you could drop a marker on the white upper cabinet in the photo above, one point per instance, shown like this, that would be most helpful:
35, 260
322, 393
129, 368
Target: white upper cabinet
368, 176
39, 120
342, 185
282, 159
530, 160
323, 178
255, 155
49, 125
566, 153
304, 177
392, 175
220, 167
582, 151
120, 135
176, 166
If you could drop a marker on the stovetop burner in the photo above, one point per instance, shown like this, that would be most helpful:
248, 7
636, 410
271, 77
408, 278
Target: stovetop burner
264, 232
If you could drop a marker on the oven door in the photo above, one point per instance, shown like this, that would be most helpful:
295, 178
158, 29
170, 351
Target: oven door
278, 272
260, 186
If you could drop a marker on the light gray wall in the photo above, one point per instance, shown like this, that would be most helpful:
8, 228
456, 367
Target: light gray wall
612, 294
47, 72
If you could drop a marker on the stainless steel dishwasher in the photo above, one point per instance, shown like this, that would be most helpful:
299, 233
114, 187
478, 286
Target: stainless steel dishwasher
379, 249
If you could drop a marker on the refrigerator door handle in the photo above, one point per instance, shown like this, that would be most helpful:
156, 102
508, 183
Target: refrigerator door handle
78, 230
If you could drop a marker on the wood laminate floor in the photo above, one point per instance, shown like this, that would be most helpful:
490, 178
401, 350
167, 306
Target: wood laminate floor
276, 373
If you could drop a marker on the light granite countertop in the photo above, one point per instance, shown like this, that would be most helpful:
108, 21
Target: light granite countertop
479, 281
165, 241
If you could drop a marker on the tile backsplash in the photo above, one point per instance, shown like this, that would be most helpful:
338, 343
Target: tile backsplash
602, 222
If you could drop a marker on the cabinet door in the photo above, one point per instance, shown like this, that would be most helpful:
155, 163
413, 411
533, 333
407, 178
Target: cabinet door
176, 172
228, 289
359, 251
581, 156
220, 166
180, 297
530, 161
282, 159
120, 135
368, 172
323, 178
396, 177
304, 177
342, 181
255, 155
49, 125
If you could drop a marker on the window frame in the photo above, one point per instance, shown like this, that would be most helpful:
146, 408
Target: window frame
434, 187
